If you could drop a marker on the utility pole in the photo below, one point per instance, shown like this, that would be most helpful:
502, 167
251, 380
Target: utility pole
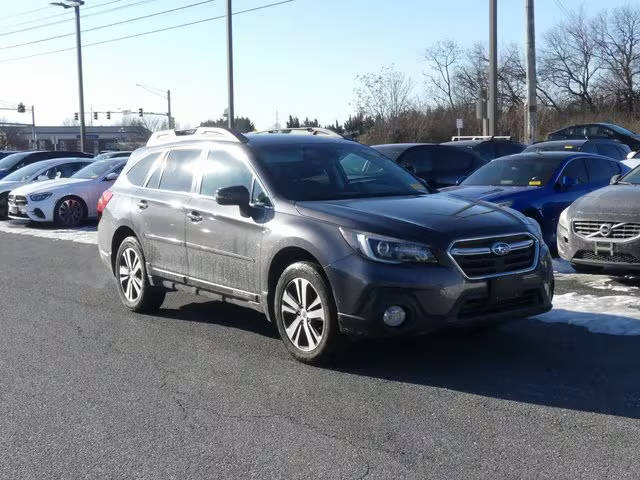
493, 66
231, 115
33, 128
76, 4
169, 109
531, 112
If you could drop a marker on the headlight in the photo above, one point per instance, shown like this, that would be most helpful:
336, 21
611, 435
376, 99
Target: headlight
386, 249
38, 197
564, 218
505, 204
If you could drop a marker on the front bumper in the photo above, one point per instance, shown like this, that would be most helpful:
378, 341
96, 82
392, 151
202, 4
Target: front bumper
434, 297
36, 211
620, 256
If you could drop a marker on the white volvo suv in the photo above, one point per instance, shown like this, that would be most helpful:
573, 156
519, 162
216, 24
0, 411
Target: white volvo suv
67, 201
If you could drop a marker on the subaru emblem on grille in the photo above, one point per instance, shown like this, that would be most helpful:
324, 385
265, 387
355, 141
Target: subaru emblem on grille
500, 248
605, 229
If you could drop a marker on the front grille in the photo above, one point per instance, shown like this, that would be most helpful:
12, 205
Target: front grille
18, 199
482, 306
605, 257
477, 258
609, 230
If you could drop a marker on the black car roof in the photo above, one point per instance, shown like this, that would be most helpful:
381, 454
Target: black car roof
288, 139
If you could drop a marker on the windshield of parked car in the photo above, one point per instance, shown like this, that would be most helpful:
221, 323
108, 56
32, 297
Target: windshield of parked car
332, 171
552, 147
515, 171
97, 169
633, 177
25, 173
10, 160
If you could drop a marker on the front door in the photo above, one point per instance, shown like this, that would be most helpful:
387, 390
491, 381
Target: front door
223, 242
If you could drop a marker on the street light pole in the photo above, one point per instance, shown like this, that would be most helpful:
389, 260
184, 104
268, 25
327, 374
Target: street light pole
33, 128
170, 123
76, 4
531, 112
230, 116
493, 66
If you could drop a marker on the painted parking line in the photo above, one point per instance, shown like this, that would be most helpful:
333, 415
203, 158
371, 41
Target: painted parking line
85, 234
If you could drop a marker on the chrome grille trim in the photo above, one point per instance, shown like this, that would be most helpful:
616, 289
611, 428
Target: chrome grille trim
452, 251
620, 231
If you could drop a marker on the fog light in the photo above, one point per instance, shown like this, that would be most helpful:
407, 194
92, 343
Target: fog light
394, 316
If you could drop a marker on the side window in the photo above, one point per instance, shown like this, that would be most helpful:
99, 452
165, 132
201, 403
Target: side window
576, 169
138, 173
453, 160
258, 196
599, 170
69, 169
489, 150
177, 175
418, 160
223, 170
54, 173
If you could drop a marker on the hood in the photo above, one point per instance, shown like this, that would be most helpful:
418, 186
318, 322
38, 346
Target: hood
8, 186
49, 185
488, 193
609, 203
438, 216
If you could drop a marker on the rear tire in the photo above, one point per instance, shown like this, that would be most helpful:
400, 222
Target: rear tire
136, 293
306, 313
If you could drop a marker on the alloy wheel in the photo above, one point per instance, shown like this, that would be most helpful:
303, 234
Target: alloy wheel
70, 212
303, 314
130, 274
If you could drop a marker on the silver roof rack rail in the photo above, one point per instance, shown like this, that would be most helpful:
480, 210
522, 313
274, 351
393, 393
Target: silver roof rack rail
458, 138
201, 133
303, 131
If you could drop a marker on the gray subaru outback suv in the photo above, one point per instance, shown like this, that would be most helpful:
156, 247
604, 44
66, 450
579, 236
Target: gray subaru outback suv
327, 237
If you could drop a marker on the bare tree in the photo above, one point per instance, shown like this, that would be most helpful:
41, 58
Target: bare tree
569, 60
153, 123
443, 58
384, 95
618, 47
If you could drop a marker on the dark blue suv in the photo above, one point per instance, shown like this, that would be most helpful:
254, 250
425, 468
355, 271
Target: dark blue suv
539, 184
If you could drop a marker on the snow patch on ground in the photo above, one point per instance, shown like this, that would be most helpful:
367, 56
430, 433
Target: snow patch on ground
606, 283
87, 234
612, 315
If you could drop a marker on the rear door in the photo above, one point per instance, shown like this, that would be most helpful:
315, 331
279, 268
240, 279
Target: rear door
159, 212
599, 172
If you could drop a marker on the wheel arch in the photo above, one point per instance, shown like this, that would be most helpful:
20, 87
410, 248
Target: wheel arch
122, 232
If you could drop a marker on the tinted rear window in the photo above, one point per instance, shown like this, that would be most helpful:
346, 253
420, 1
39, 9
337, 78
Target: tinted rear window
138, 173
177, 175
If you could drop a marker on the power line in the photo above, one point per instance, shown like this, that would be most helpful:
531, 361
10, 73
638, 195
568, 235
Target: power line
13, 15
51, 52
562, 7
35, 27
63, 14
100, 27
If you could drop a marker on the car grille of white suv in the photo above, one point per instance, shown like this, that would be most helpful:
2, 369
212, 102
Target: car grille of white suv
610, 230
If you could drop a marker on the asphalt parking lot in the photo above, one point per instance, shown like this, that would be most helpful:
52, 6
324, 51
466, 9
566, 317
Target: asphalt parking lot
206, 390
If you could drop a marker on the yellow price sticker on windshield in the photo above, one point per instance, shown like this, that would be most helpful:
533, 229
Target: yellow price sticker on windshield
535, 183
568, 147
418, 186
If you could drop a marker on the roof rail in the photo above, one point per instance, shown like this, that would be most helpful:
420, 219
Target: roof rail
303, 131
201, 133
457, 138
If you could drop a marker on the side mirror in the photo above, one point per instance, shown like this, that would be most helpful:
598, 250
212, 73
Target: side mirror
236, 195
615, 179
112, 177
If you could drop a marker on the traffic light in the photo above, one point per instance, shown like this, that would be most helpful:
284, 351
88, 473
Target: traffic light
75, 116
21, 108
95, 115
140, 112
108, 115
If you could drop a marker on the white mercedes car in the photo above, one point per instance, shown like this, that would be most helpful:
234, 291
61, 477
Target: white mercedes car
68, 201
38, 172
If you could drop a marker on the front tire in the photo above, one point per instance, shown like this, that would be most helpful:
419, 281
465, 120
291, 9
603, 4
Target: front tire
69, 212
136, 293
306, 314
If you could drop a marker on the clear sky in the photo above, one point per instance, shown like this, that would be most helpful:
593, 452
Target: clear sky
300, 58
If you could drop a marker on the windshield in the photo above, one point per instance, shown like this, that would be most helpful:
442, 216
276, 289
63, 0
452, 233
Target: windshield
10, 160
97, 169
25, 173
633, 177
334, 171
516, 171
551, 147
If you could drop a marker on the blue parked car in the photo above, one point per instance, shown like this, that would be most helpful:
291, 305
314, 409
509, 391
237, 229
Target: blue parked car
539, 184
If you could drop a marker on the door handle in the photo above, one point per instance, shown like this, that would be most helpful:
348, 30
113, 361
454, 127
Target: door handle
194, 216
142, 204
